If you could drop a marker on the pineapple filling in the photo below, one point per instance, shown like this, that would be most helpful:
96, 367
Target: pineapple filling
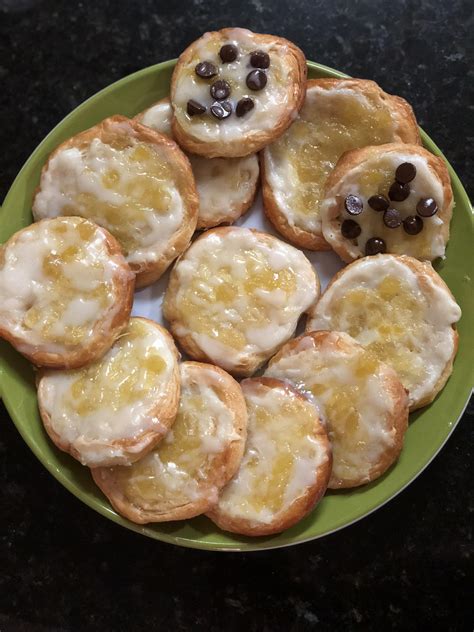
209, 305
50, 314
128, 373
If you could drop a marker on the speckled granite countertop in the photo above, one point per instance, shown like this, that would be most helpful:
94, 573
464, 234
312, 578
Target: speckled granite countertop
63, 567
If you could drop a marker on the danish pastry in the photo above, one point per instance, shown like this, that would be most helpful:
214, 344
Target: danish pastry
234, 91
226, 186
236, 295
182, 477
117, 409
361, 400
286, 465
66, 292
133, 181
392, 198
401, 310
338, 115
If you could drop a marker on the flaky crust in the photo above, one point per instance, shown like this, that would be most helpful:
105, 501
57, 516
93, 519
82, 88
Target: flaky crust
224, 465
406, 131
422, 269
397, 419
356, 157
106, 330
252, 142
302, 505
132, 449
251, 362
146, 271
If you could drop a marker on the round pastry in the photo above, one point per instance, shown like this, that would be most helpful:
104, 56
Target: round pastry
236, 295
361, 400
401, 310
117, 409
226, 186
66, 292
182, 477
234, 91
337, 115
393, 198
286, 466
131, 180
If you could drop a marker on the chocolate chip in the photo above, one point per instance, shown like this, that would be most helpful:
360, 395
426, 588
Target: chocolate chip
375, 246
413, 224
426, 207
392, 218
256, 80
243, 106
353, 205
405, 173
378, 203
193, 108
228, 53
350, 229
220, 90
259, 59
221, 110
399, 192
206, 70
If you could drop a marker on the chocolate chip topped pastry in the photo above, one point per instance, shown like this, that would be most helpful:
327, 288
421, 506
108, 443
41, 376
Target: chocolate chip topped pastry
234, 91
337, 115
393, 198
226, 186
130, 179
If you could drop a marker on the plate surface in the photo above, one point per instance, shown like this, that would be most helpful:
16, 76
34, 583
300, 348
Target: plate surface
429, 428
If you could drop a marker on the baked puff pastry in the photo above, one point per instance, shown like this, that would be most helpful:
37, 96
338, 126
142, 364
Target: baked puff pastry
66, 292
286, 466
183, 476
133, 181
393, 198
226, 186
401, 310
236, 295
117, 409
234, 91
337, 115
361, 401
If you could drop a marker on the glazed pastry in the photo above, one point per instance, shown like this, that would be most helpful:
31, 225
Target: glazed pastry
401, 310
392, 198
236, 295
226, 186
234, 91
133, 181
361, 400
182, 477
66, 292
286, 465
338, 115
115, 410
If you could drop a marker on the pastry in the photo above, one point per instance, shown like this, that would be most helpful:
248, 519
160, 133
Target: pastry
66, 292
401, 310
117, 409
286, 465
361, 401
236, 295
133, 181
226, 186
234, 91
338, 115
394, 198
182, 477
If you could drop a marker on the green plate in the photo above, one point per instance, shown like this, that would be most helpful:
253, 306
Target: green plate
429, 428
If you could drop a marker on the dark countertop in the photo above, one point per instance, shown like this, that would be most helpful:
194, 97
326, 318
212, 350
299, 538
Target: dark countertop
406, 567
